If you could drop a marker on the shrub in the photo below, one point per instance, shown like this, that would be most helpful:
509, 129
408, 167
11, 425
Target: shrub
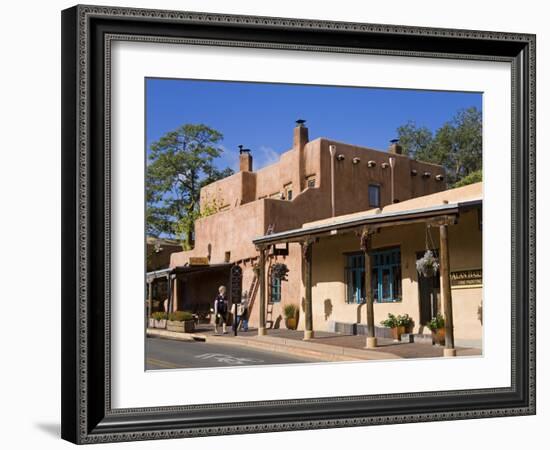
404, 321
436, 323
180, 316
390, 322
159, 315
290, 310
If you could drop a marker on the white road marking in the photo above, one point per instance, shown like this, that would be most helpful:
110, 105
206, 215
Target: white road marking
228, 359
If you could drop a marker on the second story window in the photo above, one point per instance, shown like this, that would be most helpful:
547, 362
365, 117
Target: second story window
288, 191
310, 181
374, 195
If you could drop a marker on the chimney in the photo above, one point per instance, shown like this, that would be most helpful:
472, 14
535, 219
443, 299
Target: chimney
245, 159
301, 138
395, 147
301, 135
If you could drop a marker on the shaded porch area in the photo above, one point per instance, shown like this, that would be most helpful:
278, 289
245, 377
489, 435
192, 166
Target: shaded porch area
454, 213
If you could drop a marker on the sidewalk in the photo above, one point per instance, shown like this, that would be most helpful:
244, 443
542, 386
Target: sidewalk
325, 346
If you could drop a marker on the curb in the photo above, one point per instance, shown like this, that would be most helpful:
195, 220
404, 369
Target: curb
314, 350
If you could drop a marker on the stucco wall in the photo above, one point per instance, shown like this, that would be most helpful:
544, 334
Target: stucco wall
231, 231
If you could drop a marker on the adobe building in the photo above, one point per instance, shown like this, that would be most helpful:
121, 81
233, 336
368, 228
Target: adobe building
314, 180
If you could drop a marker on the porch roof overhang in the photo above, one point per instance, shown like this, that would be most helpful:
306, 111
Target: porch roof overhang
165, 273
369, 218
161, 273
187, 269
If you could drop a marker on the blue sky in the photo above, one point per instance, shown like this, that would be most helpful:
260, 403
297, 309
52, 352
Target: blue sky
261, 116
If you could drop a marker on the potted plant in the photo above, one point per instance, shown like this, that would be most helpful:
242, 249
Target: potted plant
181, 322
406, 322
437, 326
159, 319
428, 265
291, 316
393, 323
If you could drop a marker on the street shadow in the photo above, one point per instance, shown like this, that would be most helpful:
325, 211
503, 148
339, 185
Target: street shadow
53, 429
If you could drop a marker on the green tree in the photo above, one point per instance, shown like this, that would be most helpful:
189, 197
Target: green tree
179, 164
457, 145
416, 141
472, 177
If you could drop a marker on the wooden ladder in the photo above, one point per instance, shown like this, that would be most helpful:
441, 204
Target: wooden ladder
252, 291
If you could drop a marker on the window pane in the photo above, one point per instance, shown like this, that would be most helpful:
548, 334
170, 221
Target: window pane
386, 284
374, 195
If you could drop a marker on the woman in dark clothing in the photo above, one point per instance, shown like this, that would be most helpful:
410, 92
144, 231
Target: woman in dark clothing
221, 310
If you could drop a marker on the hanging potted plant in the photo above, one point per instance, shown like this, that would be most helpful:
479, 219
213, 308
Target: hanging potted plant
428, 265
280, 271
437, 326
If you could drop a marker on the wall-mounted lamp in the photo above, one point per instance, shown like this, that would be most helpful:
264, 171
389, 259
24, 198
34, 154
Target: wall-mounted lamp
340, 157
414, 173
439, 177
384, 165
426, 174
356, 160
371, 163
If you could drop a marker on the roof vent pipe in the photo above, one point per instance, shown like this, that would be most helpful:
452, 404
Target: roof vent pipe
332, 151
392, 166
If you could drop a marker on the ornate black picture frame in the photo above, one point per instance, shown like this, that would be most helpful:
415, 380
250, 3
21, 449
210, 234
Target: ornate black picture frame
87, 33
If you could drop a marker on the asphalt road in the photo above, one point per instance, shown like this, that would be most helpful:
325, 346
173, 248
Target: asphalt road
170, 354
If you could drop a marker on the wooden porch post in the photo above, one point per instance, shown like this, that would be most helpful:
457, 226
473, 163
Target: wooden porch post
366, 244
169, 308
149, 299
261, 327
446, 291
307, 247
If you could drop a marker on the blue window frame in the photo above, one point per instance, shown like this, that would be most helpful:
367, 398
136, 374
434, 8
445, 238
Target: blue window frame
275, 290
386, 276
355, 278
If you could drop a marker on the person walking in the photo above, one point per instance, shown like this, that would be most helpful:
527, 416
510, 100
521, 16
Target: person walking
242, 315
220, 310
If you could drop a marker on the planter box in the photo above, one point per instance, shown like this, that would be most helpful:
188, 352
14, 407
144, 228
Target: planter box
187, 326
150, 323
159, 323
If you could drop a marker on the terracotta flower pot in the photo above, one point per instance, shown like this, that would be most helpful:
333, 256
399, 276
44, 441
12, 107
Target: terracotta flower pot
291, 323
396, 333
438, 336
